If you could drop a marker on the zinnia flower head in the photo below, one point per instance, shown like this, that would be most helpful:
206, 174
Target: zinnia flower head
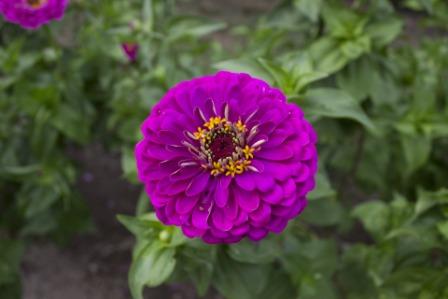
130, 50
226, 157
31, 14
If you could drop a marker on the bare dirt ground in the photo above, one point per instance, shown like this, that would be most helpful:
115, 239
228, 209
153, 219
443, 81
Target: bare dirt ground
95, 266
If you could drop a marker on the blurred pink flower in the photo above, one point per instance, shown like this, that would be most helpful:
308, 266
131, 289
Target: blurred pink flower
131, 50
31, 14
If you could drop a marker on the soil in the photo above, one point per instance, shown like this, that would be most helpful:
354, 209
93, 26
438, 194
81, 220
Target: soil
95, 266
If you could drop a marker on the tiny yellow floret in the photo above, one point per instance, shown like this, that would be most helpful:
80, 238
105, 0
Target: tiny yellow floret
248, 152
240, 126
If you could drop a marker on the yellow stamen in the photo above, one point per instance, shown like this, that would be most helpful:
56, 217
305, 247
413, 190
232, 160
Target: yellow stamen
240, 126
200, 133
213, 122
36, 3
237, 167
248, 152
217, 169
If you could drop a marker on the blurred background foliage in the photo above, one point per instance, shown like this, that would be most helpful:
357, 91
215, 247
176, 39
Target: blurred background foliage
371, 75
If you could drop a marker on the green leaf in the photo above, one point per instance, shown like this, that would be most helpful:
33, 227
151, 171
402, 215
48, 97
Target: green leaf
343, 23
335, 103
198, 260
237, 280
249, 66
384, 31
374, 215
128, 164
443, 229
417, 149
427, 200
310, 8
323, 212
313, 259
279, 286
10, 255
255, 253
183, 26
71, 122
356, 78
152, 266
327, 56
323, 187
148, 15
142, 204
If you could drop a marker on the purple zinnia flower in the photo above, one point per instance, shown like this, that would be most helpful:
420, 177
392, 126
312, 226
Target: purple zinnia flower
225, 157
31, 14
131, 51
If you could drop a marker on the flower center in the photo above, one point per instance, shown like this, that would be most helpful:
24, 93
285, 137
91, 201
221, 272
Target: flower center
36, 3
223, 146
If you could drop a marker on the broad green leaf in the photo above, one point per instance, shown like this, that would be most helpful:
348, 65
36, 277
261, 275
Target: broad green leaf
310, 8
374, 215
327, 56
248, 66
331, 102
324, 212
384, 31
309, 261
416, 149
142, 204
236, 280
148, 15
151, 267
10, 254
443, 229
198, 260
316, 287
129, 165
427, 200
71, 122
323, 187
256, 253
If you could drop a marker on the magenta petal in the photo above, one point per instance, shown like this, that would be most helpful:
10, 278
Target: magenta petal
275, 196
209, 238
159, 200
198, 184
289, 201
262, 214
248, 201
246, 181
281, 211
231, 209
192, 232
264, 182
184, 173
304, 138
199, 218
277, 154
289, 188
242, 217
297, 208
277, 225
303, 174
184, 205
222, 191
256, 234
220, 221
240, 230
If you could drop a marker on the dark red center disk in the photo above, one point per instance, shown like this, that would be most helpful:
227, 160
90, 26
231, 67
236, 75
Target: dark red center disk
222, 146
